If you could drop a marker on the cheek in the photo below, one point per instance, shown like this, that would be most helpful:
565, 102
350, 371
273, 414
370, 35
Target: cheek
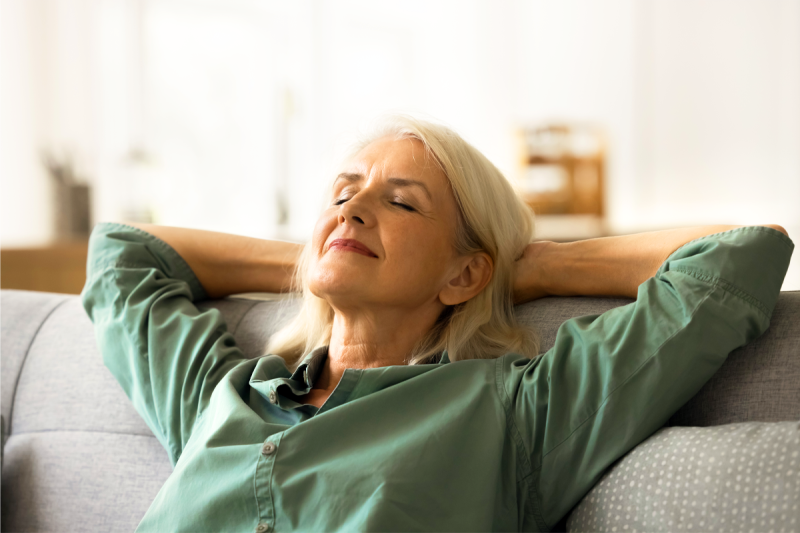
322, 229
421, 253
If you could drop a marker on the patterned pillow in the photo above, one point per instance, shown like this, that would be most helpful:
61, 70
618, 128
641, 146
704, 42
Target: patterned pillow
735, 477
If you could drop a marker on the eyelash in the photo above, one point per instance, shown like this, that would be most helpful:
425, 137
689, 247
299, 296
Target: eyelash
398, 204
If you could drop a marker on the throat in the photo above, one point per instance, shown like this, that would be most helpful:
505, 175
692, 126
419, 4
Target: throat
316, 397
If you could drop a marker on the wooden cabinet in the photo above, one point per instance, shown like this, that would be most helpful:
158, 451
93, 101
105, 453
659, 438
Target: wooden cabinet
564, 169
59, 267
563, 180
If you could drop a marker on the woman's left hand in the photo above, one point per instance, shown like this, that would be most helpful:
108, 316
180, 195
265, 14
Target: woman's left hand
605, 266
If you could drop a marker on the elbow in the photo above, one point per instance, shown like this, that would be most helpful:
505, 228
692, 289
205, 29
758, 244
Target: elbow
777, 227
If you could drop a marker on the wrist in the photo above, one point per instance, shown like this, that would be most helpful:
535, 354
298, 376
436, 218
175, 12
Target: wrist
533, 272
552, 264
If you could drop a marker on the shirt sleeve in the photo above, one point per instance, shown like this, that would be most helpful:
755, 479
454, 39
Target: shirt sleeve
165, 353
612, 380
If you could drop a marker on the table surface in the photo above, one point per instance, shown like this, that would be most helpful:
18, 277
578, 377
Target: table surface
57, 267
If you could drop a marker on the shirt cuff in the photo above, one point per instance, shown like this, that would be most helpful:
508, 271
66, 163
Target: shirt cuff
113, 244
749, 262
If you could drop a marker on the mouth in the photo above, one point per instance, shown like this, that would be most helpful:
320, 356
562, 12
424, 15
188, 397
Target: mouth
351, 245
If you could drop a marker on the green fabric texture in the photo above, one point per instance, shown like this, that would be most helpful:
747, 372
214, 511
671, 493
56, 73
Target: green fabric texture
509, 444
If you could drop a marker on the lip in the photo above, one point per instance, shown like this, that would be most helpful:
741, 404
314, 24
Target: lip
351, 245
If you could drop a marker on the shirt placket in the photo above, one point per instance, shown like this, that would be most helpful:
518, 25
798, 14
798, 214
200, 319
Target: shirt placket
265, 498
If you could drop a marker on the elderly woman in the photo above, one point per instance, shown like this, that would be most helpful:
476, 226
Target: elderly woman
405, 395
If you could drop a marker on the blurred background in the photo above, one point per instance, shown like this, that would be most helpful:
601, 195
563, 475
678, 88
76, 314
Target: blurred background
610, 116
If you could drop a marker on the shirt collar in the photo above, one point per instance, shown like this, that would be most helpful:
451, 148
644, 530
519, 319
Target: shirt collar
309, 368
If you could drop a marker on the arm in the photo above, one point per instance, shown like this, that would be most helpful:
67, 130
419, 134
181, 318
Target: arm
610, 381
231, 264
167, 355
609, 266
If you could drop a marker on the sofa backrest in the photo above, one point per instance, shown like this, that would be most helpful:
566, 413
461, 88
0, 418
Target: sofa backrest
77, 456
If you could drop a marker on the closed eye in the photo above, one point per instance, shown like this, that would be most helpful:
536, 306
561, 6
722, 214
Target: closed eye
340, 201
404, 206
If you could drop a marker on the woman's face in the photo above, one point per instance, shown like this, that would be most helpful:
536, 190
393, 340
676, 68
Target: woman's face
397, 204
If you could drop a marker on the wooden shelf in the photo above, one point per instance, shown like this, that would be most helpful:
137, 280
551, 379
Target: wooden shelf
59, 267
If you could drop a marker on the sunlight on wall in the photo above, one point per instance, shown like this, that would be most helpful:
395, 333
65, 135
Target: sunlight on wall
230, 115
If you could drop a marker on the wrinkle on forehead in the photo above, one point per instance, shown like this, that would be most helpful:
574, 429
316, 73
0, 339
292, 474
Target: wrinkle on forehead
381, 160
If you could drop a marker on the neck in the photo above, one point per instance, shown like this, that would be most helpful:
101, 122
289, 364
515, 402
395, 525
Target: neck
373, 340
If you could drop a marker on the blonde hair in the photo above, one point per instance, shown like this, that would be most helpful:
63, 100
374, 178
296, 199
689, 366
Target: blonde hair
492, 219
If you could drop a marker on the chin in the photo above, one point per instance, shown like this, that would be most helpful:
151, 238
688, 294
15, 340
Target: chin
333, 286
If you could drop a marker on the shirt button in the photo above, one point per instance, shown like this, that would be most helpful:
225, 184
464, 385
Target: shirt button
273, 398
262, 528
268, 449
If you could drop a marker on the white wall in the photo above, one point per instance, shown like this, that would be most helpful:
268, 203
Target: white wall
717, 116
720, 121
577, 63
47, 102
24, 201
239, 102
700, 100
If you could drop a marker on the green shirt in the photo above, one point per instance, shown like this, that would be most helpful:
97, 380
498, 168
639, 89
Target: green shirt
501, 444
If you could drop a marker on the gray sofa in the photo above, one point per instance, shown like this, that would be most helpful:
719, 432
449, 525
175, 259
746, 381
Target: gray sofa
77, 457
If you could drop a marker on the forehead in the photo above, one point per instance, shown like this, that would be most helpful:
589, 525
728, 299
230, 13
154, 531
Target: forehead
403, 158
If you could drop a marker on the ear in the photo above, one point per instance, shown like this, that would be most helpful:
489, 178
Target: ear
475, 273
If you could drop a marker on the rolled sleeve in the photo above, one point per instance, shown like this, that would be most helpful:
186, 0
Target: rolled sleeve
612, 380
166, 354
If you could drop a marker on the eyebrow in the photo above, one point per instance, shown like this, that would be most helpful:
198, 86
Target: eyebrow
401, 182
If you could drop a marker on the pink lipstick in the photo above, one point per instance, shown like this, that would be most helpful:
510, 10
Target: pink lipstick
351, 245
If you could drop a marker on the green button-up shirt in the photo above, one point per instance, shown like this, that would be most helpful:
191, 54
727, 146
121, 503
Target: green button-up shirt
504, 444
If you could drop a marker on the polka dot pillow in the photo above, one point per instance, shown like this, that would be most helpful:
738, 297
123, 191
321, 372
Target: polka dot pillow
736, 477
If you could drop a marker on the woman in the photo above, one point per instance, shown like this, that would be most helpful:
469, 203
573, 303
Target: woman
404, 396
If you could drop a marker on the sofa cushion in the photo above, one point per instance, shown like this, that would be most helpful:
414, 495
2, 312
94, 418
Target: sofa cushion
742, 476
80, 480
64, 384
24, 312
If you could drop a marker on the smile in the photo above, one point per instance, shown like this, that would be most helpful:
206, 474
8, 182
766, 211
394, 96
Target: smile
351, 245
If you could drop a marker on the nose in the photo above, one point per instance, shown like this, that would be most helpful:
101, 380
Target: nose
354, 218
355, 211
